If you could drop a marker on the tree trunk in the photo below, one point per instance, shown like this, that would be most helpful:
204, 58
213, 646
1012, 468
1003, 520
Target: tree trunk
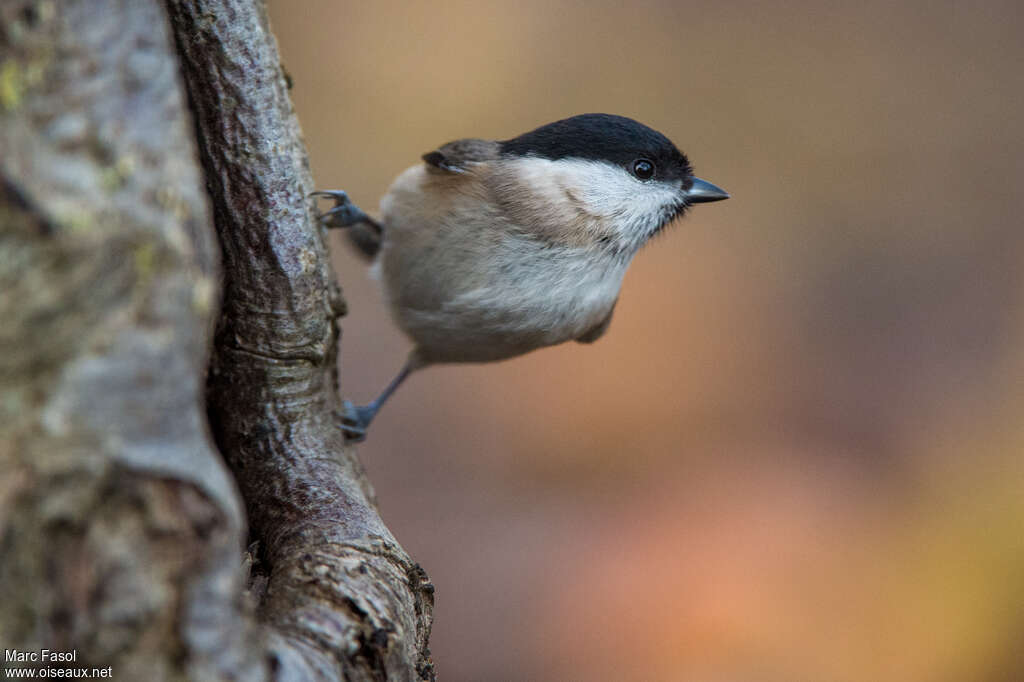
131, 454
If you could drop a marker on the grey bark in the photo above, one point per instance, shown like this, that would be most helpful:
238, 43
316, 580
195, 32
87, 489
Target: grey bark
122, 526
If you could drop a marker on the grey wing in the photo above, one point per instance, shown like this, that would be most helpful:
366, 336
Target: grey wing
455, 157
598, 330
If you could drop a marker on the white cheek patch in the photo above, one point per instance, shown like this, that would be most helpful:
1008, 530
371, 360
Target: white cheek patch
636, 208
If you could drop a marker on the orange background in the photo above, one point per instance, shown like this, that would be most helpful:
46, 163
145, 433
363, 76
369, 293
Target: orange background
797, 454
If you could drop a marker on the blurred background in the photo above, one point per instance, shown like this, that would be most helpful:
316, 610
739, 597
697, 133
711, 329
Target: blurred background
797, 453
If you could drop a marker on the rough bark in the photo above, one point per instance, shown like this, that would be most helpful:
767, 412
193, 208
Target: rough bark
121, 528
341, 590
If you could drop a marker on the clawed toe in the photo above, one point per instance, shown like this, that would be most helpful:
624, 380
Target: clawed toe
336, 194
354, 420
344, 213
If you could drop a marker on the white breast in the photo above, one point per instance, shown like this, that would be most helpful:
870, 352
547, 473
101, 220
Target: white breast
534, 297
556, 293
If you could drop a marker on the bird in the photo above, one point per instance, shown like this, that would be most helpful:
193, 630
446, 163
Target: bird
489, 249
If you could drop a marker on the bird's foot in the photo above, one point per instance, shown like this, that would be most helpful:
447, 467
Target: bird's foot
344, 213
354, 420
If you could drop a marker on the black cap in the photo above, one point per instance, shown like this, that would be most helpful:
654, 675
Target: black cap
603, 137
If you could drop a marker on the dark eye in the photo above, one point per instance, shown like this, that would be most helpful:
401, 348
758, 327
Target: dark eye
643, 169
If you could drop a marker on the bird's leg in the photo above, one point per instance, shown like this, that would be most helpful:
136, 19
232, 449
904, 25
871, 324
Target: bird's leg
355, 419
344, 213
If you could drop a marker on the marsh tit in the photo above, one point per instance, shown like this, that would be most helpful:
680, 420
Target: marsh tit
491, 249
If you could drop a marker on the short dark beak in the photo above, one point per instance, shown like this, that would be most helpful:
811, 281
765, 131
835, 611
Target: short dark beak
703, 192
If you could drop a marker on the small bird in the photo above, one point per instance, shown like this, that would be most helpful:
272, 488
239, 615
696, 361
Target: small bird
491, 249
